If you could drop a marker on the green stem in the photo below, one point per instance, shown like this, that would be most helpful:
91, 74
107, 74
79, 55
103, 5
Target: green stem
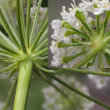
25, 70
10, 95
77, 32
78, 92
82, 71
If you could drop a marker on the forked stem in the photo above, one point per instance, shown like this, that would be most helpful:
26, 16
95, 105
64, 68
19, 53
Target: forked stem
25, 71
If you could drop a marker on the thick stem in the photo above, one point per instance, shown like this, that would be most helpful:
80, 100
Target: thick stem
25, 70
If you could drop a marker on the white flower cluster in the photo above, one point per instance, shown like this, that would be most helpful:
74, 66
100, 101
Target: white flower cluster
99, 81
56, 101
61, 46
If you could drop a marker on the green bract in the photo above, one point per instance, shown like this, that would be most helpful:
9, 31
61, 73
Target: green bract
23, 48
23, 41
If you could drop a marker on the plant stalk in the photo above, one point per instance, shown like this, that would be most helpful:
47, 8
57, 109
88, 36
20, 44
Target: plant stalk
25, 71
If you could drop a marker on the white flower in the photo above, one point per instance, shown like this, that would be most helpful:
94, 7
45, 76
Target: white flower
55, 50
58, 34
56, 62
102, 6
56, 24
86, 5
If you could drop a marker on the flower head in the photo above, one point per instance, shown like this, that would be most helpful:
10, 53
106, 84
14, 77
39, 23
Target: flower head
79, 40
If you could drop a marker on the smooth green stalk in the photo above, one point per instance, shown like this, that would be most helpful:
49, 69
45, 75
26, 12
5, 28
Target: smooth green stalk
25, 71
83, 71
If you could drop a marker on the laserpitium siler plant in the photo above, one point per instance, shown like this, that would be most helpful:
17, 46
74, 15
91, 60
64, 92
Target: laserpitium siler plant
25, 50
